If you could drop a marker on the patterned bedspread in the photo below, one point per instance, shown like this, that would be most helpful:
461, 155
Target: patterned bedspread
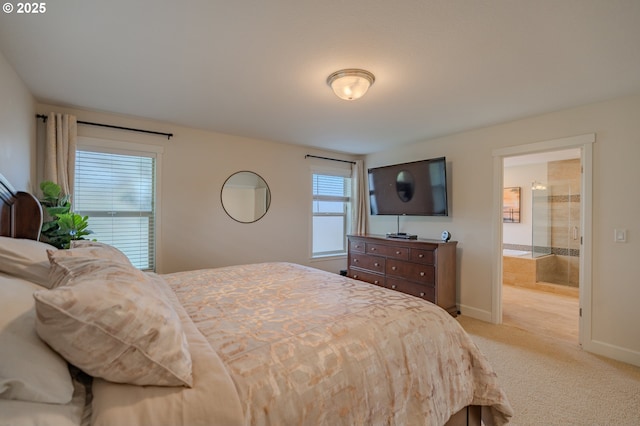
304, 346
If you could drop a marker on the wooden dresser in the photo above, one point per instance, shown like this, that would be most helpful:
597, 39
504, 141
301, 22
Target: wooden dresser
422, 268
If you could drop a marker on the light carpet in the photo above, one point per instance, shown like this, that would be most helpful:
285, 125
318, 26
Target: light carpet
552, 382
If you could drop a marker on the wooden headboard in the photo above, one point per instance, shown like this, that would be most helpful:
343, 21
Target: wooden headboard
20, 213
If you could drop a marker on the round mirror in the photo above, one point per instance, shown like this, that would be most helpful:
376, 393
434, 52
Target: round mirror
405, 185
245, 197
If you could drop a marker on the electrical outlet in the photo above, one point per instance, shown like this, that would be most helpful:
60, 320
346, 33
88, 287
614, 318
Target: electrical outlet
620, 235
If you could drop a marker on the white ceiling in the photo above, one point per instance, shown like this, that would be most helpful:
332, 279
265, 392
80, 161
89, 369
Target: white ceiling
257, 68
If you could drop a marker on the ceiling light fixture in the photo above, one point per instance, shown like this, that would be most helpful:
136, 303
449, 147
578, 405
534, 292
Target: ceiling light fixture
351, 83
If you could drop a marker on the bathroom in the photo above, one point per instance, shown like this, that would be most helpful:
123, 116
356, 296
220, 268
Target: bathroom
541, 221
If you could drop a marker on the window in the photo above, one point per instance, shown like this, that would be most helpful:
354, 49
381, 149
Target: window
117, 192
331, 214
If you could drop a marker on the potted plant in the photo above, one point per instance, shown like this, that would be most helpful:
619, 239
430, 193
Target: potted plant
61, 225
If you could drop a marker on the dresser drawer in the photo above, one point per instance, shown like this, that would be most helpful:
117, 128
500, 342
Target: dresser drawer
411, 271
369, 277
424, 291
422, 256
372, 263
401, 253
356, 246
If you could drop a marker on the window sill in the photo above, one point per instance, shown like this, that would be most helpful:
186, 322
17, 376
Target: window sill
328, 257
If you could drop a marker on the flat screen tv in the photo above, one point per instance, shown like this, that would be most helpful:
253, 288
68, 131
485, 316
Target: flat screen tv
418, 188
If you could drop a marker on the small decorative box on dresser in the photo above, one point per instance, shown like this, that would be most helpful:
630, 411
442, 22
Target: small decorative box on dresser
422, 268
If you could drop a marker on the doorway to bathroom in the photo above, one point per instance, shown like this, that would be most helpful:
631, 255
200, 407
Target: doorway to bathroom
541, 242
536, 250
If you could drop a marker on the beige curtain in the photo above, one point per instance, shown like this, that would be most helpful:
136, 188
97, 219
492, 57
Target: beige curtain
60, 150
359, 181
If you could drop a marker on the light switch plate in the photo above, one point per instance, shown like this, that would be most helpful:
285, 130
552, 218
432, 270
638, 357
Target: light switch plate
620, 235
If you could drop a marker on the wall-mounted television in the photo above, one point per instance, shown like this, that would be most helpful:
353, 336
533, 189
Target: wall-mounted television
418, 188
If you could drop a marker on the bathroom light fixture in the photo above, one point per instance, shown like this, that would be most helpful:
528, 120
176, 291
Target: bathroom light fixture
351, 83
537, 186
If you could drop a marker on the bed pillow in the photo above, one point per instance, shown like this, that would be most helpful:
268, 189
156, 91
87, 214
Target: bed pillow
26, 259
84, 252
113, 321
29, 369
100, 250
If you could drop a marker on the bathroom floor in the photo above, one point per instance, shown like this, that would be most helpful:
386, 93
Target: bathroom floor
542, 312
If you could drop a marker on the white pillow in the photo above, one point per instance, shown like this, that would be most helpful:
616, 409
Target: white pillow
29, 369
26, 259
86, 251
113, 321
100, 250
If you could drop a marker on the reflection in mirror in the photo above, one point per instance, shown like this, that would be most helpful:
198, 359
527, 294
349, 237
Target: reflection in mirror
405, 185
245, 197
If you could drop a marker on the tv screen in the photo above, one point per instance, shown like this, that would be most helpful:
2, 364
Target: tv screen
418, 188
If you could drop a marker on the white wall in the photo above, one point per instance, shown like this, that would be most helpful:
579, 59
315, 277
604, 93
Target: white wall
195, 232
17, 129
522, 176
615, 268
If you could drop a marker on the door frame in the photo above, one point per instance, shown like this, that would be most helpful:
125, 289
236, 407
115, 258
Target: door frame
585, 143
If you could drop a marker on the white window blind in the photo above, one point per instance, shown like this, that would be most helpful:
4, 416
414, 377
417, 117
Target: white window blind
117, 192
331, 214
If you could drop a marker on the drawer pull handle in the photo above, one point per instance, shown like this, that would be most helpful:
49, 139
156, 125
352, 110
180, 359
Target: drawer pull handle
398, 252
376, 282
393, 268
393, 286
373, 249
422, 274
421, 255
355, 260
422, 294
355, 276
376, 264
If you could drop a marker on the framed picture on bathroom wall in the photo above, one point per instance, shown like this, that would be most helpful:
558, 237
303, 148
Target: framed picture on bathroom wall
511, 205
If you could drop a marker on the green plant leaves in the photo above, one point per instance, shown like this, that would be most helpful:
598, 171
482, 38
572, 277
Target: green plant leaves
53, 196
62, 225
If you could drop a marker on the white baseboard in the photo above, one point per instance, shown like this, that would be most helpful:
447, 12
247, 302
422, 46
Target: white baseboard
612, 351
476, 313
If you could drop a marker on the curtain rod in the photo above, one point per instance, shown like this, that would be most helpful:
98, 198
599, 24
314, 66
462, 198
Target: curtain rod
89, 123
330, 159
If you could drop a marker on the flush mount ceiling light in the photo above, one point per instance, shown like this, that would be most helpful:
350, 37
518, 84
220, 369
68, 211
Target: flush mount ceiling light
350, 84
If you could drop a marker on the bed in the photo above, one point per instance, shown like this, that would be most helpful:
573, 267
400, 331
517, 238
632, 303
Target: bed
259, 344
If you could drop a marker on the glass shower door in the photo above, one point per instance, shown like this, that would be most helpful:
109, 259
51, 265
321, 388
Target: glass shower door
540, 220
555, 230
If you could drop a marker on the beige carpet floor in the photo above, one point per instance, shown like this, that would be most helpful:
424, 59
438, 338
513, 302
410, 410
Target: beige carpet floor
552, 382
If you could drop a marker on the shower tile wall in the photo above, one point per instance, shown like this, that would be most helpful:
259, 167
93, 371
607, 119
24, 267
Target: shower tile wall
563, 181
